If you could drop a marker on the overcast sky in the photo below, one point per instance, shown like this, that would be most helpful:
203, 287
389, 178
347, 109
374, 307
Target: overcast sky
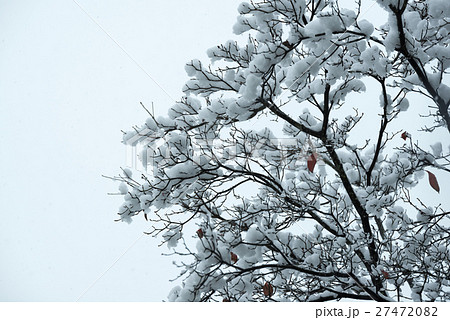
66, 91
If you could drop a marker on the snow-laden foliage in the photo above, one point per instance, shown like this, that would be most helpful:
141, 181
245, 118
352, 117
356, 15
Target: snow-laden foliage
292, 197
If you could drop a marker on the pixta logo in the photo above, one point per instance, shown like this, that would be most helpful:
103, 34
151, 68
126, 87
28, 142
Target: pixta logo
147, 152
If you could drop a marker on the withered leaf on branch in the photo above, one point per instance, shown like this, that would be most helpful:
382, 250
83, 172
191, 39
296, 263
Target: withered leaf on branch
433, 181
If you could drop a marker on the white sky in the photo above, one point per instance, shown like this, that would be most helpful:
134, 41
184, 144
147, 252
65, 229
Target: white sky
66, 91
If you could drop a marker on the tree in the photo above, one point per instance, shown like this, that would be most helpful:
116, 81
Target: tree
299, 189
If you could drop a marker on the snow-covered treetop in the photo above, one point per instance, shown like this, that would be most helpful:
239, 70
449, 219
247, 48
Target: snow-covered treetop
299, 190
